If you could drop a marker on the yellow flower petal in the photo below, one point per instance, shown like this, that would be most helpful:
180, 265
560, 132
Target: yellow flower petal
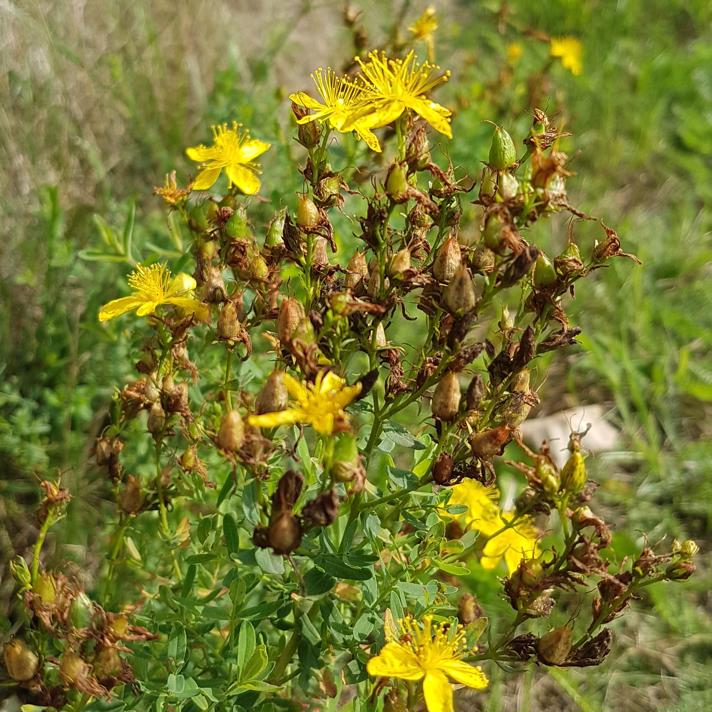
435, 114
243, 178
181, 283
272, 420
295, 388
206, 178
465, 673
380, 115
252, 148
188, 304
303, 99
395, 660
368, 136
437, 692
200, 153
117, 307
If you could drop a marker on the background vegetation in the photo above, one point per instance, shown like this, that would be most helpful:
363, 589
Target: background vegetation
98, 102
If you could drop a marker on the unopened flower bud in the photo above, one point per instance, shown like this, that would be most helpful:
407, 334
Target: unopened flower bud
573, 474
554, 647
397, 183
548, 476
446, 399
20, 662
507, 186
156, 419
680, 570
442, 469
232, 432
228, 325
448, 260
502, 154
468, 609
284, 533
131, 497
236, 226
689, 549
274, 396
400, 263
307, 212
291, 314
489, 443
459, 295
544, 273
356, 271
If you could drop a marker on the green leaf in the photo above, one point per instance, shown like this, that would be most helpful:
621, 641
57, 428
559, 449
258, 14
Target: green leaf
127, 236
177, 644
245, 643
453, 569
317, 582
256, 665
269, 563
336, 567
232, 538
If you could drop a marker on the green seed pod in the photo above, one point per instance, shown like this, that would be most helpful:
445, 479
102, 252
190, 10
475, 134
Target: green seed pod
502, 154
20, 662
400, 263
307, 212
554, 647
259, 271
573, 474
447, 260
397, 187
236, 227
81, 611
493, 232
544, 273
232, 432
106, 663
446, 398
569, 262
459, 295
276, 229
274, 396
548, 476
46, 588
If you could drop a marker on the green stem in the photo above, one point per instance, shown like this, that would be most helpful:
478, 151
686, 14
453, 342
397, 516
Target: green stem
49, 520
226, 383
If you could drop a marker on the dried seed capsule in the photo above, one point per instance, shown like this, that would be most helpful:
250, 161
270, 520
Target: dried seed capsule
156, 419
20, 662
322, 510
284, 533
307, 212
569, 262
483, 260
554, 647
502, 154
475, 392
689, 548
291, 315
488, 183
72, 668
468, 609
442, 469
400, 263
356, 271
380, 339
228, 324
446, 399
489, 443
448, 260
319, 254
520, 383
131, 497
459, 295
274, 396
232, 432
106, 663
258, 269
573, 474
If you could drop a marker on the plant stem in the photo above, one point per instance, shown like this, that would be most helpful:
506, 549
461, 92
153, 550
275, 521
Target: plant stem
49, 520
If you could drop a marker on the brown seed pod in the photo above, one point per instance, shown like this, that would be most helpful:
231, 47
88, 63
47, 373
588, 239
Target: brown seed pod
448, 260
284, 533
228, 324
20, 662
489, 443
554, 647
291, 315
446, 399
274, 396
232, 432
459, 295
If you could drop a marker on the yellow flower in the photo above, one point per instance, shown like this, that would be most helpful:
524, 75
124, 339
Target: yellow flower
482, 509
569, 51
154, 286
429, 653
233, 152
320, 404
340, 98
515, 543
514, 52
424, 28
394, 85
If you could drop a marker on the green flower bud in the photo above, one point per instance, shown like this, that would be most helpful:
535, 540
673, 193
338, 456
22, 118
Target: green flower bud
275, 229
573, 474
46, 588
81, 611
502, 154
